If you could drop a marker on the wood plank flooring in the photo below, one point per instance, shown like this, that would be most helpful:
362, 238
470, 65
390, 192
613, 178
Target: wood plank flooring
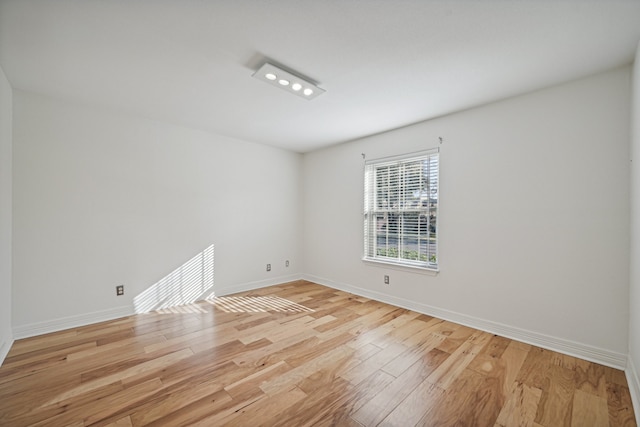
300, 354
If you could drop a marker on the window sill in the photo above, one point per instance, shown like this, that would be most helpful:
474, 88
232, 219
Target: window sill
402, 267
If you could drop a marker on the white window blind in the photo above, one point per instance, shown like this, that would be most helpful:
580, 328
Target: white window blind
401, 210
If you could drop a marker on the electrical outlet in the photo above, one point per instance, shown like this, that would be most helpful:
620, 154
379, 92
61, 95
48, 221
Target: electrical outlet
386, 279
268, 267
120, 290
286, 263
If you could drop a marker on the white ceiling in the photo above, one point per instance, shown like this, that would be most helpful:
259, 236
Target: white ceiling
383, 63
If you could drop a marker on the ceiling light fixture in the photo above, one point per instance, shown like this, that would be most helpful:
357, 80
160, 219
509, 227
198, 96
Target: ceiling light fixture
285, 80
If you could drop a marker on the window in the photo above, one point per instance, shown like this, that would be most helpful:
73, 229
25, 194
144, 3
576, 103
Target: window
401, 210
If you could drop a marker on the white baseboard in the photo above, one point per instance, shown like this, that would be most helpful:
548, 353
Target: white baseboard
5, 346
40, 328
572, 348
634, 387
583, 351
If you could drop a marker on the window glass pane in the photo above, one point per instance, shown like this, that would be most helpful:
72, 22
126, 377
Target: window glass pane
401, 202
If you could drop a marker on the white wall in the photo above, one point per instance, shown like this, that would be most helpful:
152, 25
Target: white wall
634, 293
6, 336
102, 199
533, 218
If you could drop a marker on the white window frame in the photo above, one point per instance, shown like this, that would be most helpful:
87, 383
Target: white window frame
413, 247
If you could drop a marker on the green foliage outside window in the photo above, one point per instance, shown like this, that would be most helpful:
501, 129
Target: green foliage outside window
408, 255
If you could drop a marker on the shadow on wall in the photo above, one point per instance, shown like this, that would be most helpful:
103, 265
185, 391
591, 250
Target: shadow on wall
191, 282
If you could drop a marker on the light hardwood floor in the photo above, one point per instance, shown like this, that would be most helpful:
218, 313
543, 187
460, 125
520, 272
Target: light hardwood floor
300, 354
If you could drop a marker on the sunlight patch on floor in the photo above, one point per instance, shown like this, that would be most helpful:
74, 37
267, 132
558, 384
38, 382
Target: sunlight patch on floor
257, 304
191, 308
